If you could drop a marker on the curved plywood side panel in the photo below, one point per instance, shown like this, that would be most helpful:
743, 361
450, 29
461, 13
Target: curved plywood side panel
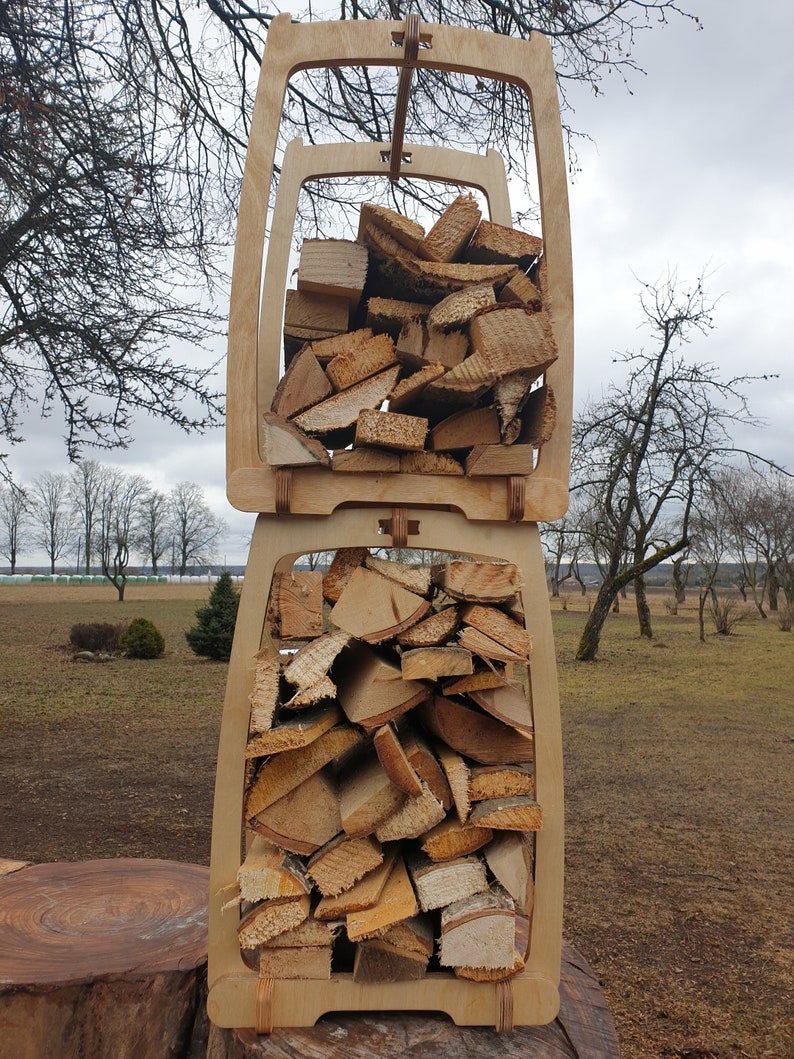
291, 48
233, 987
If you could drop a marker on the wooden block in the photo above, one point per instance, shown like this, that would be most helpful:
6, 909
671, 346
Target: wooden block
397, 903
416, 579
430, 463
376, 961
500, 974
363, 894
452, 231
477, 932
513, 338
312, 662
483, 678
374, 608
341, 411
335, 267
388, 315
394, 760
310, 934
447, 348
390, 430
432, 663
371, 689
508, 703
415, 817
494, 244
500, 781
475, 734
456, 310
500, 627
511, 393
538, 417
366, 460
463, 429
451, 839
303, 384
407, 232
477, 582
519, 813
367, 358
485, 460
296, 732
296, 605
408, 392
312, 695
269, 872
457, 772
264, 696
304, 818
440, 883
486, 647
522, 290
509, 857
281, 774
337, 575
342, 862
344, 342
437, 629
311, 318
463, 384
295, 963
367, 795
286, 445
270, 918
425, 763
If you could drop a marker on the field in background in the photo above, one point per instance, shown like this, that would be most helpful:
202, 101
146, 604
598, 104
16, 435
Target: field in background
679, 787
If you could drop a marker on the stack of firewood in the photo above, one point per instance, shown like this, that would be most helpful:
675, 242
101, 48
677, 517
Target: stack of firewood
389, 799
416, 352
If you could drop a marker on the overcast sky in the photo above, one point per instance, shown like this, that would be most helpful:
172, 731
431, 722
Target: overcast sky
689, 172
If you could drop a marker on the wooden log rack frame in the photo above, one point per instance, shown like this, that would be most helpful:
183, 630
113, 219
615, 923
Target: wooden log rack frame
303, 510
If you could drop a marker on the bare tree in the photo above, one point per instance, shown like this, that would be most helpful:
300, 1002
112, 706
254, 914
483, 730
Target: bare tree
153, 530
120, 497
645, 450
711, 539
194, 527
14, 513
85, 488
51, 510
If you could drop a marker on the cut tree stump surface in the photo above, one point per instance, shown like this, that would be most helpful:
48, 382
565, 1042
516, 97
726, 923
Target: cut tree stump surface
583, 1030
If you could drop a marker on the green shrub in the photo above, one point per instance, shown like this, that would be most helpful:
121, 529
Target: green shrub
213, 632
142, 639
97, 636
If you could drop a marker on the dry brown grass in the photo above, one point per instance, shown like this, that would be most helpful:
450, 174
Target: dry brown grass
678, 790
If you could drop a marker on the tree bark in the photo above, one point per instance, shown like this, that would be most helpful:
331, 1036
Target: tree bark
643, 610
591, 635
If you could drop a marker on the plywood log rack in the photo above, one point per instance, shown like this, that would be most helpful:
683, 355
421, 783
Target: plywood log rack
489, 519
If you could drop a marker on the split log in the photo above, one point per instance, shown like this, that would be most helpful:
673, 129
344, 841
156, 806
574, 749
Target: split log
390, 430
457, 309
522, 290
269, 872
389, 315
513, 338
538, 417
500, 460
441, 883
477, 582
432, 663
397, 903
463, 384
339, 413
507, 703
500, 781
342, 862
433, 631
371, 689
377, 961
305, 818
310, 964
296, 732
337, 575
509, 857
367, 796
424, 761
286, 445
475, 734
335, 267
465, 429
451, 839
264, 697
520, 813
429, 463
312, 662
416, 579
478, 931
447, 348
452, 231
363, 894
500, 974
366, 356
375, 608
500, 627
394, 760
312, 318
406, 232
486, 647
481, 679
407, 394
494, 244
364, 459
272, 917
296, 605
416, 816
303, 384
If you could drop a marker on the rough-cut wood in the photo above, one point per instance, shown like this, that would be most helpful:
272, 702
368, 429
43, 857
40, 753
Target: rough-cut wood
365, 358
432, 663
500, 781
326, 349
475, 734
522, 290
584, 1029
101, 957
312, 662
499, 460
499, 626
296, 605
335, 267
491, 677
407, 232
376, 461
441, 883
486, 647
312, 964
451, 839
305, 818
296, 732
390, 430
363, 894
377, 960
416, 816
457, 772
500, 974
447, 348
480, 582
319, 692
429, 463
539, 417
431, 632
478, 931
264, 696
397, 903
520, 813
304, 383
268, 872
513, 338
375, 608
366, 795
456, 310
283, 773
465, 428
463, 384
272, 917
286, 445
394, 760
407, 394
337, 575
509, 856
371, 689
494, 244
422, 758
310, 934
507, 703
511, 393
452, 231
343, 861
415, 578
390, 315
341, 411
312, 318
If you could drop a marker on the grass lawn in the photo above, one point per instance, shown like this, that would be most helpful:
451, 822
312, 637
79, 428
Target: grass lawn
679, 788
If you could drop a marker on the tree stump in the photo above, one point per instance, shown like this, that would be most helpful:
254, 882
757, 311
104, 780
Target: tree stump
583, 1030
103, 958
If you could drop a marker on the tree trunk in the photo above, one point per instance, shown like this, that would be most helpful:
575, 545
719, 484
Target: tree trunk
701, 619
643, 610
591, 635
773, 587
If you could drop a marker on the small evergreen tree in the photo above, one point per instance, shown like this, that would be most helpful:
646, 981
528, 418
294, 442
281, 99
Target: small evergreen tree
213, 632
142, 639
